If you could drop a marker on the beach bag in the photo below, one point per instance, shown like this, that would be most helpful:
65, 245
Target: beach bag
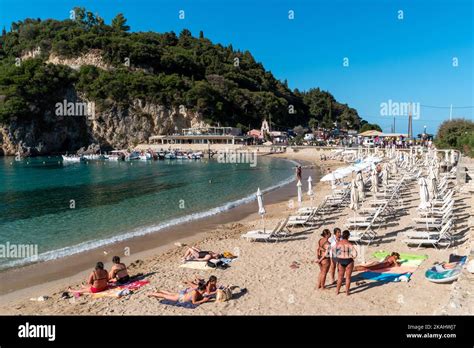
223, 295
217, 264
228, 255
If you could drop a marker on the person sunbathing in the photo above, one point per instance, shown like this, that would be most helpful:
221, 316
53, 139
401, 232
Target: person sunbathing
211, 285
196, 254
118, 272
389, 261
188, 295
97, 281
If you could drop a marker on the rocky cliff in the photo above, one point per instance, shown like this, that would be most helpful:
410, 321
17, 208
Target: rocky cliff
112, 127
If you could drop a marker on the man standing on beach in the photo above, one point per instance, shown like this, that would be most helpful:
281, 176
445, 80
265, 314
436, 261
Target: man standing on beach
298, 173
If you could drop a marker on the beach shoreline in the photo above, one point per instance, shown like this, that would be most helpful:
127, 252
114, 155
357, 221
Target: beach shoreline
38, 277
267, 270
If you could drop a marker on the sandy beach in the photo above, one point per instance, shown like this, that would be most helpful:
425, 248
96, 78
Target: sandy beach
273, 287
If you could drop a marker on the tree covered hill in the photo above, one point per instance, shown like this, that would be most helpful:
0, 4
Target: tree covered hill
217, 82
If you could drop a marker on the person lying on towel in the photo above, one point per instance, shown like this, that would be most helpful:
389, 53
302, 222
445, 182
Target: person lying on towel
211, 285
196, 254
194, 296
389, 261
97, 281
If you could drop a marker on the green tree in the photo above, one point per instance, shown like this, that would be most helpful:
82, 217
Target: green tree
370, 126
119, 23
456, 134
299, 130
313, 124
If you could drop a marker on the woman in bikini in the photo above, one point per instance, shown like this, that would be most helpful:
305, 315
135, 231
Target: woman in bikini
196, 254
97, 281
389, 261
211, 284
323, 258
345, 253
190, 295
118, 272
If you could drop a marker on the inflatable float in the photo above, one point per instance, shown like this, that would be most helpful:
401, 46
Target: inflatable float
445, 273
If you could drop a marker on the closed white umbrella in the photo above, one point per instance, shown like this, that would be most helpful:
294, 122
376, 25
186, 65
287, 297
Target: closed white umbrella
310, 192
261, 208
300, 193
375, 182
453, 158
385, 177
355, 199
310, 186
360, 185
424, 194
432, 185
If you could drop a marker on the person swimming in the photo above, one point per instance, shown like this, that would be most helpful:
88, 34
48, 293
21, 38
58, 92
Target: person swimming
188, 295
388, 261
345, 253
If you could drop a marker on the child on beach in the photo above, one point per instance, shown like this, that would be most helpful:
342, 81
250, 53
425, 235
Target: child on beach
323, 258
97, 281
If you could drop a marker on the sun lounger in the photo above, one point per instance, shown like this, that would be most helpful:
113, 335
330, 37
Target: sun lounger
267, 235
426, 237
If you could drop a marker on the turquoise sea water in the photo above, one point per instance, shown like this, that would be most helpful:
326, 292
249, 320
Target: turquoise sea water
68, 208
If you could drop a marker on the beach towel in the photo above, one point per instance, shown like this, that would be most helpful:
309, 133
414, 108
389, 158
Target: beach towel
200, 265
409, 263
187, 305
118, 291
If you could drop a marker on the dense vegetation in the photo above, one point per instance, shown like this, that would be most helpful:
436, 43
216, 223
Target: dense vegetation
225, 85
370, 126
458, 134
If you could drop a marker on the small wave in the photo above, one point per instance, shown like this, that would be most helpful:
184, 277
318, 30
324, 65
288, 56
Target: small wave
89, 245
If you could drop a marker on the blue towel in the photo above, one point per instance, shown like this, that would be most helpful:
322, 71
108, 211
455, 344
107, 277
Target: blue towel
382, 277
188, 305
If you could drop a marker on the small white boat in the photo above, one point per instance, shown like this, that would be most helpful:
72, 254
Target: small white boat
170, 155
146, 157
196, 155
93, 157
135, 155
181, 155
69, 158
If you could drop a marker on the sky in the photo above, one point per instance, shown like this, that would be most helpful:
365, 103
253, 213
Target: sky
421, 55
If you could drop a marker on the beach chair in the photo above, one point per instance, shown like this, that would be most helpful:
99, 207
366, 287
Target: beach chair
432, 220
300, 220
368, 234
277, 231
435, 239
